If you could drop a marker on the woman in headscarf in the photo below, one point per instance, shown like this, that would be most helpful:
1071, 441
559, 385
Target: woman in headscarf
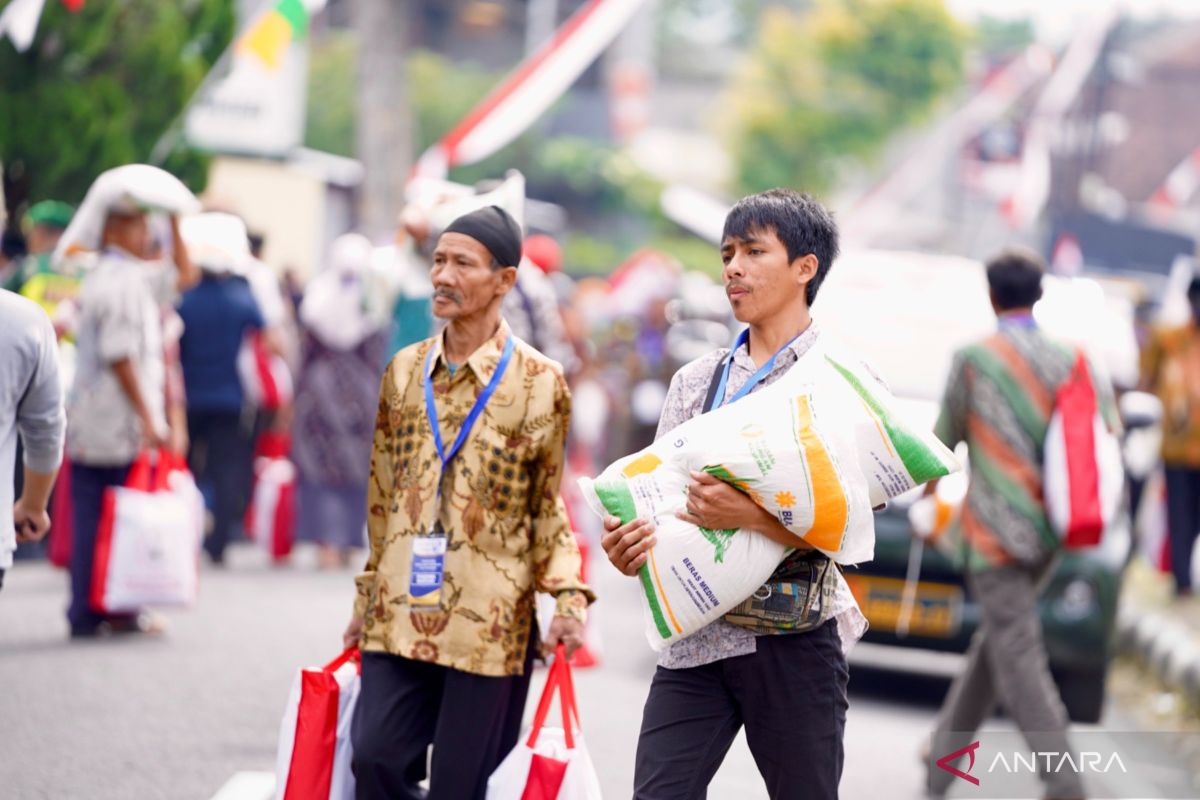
345, 335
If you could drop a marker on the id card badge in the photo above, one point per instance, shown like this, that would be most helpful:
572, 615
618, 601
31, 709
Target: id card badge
428, 565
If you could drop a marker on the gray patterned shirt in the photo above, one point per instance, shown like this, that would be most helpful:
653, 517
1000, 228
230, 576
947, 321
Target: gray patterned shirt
119, 318
685, 399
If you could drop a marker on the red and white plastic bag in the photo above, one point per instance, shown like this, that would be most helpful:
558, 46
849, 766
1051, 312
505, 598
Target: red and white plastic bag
148, 540
552, 763
1084, 475
271, 516
265, 376
313, 762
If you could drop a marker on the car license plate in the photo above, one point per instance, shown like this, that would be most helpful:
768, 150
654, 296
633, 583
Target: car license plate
936, 608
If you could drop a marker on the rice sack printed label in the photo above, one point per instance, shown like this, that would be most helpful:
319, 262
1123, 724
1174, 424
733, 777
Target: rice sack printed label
895, 455
791, 449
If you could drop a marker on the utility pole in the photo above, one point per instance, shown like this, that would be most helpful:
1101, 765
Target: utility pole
384, 121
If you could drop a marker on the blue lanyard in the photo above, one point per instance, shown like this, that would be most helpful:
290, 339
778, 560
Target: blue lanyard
473, 417
753, 380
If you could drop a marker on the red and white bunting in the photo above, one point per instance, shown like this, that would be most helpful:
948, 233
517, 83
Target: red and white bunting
1181, 184
533, 87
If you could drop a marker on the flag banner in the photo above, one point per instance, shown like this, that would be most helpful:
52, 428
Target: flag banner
257, 106
532, 88
19, 22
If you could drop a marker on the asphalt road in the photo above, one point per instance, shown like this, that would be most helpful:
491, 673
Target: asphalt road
195, 714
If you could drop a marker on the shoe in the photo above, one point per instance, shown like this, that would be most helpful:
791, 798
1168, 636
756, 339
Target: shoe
145, 623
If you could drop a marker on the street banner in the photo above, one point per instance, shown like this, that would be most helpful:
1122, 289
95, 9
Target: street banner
529, 90
256, 107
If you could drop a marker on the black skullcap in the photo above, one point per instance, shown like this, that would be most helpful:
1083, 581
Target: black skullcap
495, 229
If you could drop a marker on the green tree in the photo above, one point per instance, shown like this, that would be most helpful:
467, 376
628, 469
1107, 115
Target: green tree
100, 86
823, 89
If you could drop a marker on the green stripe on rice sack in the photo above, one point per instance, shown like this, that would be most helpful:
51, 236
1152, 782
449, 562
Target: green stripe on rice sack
920, 461
616, 497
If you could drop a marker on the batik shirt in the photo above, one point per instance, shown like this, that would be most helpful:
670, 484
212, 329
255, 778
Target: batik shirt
999, 399
685, 399
1171, 369
500, 506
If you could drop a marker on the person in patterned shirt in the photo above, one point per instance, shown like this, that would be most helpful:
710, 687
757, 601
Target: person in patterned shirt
787, 689
1171, 369
999, 398
465, 523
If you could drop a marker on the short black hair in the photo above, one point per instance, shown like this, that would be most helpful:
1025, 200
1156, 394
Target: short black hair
1015, 278
1193, 291
800, 222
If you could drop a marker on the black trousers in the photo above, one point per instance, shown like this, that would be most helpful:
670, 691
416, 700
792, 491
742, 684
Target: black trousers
88, 485
1183, 520
791, 697
215, 456
404, 706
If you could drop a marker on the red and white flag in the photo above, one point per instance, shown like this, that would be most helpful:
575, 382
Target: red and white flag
19, 22
1181, 183
533, 87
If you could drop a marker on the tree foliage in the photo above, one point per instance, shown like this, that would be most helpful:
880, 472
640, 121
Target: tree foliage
100, 86
822, 89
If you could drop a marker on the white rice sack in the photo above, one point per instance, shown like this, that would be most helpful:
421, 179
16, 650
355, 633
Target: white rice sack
895, 455
798, 448
791, 448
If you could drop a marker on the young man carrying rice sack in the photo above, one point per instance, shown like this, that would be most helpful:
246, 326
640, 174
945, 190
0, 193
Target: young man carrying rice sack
787, 689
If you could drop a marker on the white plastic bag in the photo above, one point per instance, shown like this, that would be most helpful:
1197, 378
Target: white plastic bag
1084, 475
313, 760
148, 540
551, 763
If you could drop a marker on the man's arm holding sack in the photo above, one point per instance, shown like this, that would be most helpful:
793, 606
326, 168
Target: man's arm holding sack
713, 504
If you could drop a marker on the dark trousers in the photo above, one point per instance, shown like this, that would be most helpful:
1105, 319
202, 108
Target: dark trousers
791, 697
87, 496
1183, 520
472, 721
215, 456
1006, 662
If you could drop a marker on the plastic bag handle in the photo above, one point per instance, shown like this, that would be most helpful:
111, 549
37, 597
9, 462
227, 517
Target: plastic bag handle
139, 473
559, 678
151, 470
349, 654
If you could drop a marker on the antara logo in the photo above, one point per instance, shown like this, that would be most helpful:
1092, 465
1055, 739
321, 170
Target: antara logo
969, 750
1050, 761
1054, 761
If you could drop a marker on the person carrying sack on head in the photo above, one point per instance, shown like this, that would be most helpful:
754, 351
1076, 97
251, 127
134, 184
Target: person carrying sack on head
465, 524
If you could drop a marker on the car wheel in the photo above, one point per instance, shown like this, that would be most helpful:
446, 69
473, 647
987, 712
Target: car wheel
1082, 692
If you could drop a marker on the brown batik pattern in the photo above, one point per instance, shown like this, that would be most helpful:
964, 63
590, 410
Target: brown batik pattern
500, 505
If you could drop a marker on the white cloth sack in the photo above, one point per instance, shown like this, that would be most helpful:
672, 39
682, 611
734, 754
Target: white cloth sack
148, 541
313, 760
818, 449
139, 187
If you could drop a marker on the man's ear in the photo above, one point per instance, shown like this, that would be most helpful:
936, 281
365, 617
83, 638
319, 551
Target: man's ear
508, 279
806, 265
